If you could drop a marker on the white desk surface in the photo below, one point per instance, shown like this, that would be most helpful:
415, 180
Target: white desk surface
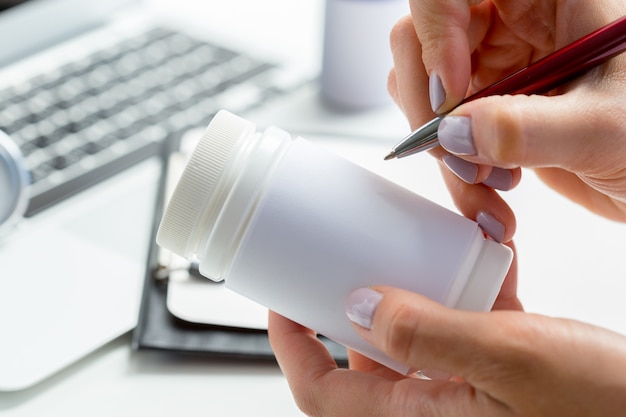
570, 261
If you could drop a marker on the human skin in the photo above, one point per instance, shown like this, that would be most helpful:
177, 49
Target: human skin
505, 362
574, 138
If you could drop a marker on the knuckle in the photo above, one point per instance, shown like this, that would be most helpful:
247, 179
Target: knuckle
402, 32
310, 400
307, 405
392, 85
510, 356
608, 119
503, 129
401, 335
402, 28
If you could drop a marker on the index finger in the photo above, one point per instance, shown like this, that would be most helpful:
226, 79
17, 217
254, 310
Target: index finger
319, 387
444, 30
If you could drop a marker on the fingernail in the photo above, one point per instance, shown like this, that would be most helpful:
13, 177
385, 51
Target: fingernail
500, 179
437, 93
491, 226
455, 135
361, 306
463, 169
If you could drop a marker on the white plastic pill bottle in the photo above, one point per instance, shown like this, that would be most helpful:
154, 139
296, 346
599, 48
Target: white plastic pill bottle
297, 228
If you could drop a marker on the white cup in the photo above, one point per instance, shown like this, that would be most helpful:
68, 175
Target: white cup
356, 55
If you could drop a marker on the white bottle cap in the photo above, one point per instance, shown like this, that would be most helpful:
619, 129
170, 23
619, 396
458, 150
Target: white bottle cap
218, 191
181, 225
484, 282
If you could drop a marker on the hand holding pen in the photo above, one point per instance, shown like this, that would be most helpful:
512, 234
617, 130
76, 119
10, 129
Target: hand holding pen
574, 138
542, 76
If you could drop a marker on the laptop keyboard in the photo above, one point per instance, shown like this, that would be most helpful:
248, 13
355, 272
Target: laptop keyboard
90, 119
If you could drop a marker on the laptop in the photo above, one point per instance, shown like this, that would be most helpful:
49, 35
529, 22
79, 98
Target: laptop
94, 93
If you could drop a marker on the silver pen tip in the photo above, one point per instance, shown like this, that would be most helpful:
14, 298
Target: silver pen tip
391, 155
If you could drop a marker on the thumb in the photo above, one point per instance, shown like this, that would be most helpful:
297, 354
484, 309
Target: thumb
537, 132
509, 359
421, 333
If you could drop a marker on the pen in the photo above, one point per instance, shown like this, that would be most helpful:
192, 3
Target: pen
541, 76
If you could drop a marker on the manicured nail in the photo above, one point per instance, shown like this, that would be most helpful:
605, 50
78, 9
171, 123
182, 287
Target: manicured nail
500, 179
437, 93
491, 226
455, 135
463, 169
361, 306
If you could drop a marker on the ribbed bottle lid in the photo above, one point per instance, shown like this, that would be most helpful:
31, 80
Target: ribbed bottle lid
198, 181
